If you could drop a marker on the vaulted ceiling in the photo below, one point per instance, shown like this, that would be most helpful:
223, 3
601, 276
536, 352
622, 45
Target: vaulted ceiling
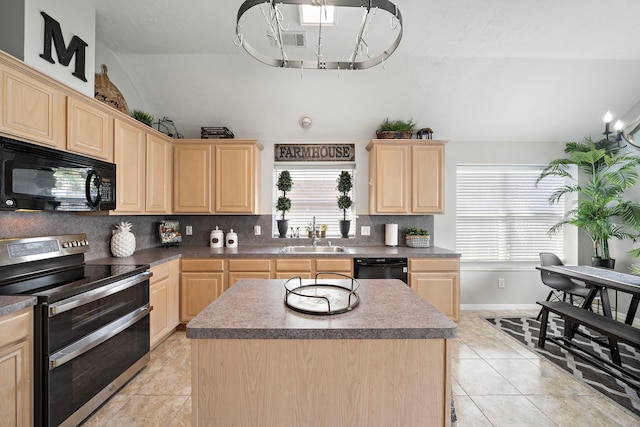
486, 70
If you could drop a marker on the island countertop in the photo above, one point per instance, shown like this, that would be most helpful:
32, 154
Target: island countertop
255, 309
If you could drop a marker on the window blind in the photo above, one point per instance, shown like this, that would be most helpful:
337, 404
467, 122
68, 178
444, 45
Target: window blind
502, 216
314, 193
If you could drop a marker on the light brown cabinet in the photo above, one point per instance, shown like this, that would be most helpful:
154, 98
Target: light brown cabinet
31, 109
164, 296
248, 268
192, 183
144, 169
437, 280
217, 177
16, 368
307, 268
89, 130
201, 282
237, 174
406, 177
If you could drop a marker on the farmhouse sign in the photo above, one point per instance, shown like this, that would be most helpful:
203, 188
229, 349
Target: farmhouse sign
314, 152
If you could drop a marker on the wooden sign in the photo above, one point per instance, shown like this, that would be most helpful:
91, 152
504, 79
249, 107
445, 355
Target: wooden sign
314, 152
77, 47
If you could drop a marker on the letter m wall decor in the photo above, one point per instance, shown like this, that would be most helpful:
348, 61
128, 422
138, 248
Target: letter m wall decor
77, 47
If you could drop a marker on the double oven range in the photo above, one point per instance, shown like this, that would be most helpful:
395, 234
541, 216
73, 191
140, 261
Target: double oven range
91, 328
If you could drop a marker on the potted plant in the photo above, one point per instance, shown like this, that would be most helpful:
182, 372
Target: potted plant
345, 184
395, 129
284, 184
309, 229
142, 117
417, 237
601, 210
323, 230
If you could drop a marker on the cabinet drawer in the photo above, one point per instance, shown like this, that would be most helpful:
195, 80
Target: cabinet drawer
250, 265
434, 264
293, 265
202, 264
15, 327
342, 265
160, 272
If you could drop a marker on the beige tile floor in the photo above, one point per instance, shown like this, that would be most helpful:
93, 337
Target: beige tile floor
496, 382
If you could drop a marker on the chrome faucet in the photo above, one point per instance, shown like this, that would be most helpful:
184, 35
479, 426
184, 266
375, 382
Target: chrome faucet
314, 238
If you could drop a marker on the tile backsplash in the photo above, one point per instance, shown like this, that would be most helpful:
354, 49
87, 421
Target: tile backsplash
98, 228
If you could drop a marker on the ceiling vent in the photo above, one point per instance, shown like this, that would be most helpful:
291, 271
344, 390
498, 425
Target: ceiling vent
292, 39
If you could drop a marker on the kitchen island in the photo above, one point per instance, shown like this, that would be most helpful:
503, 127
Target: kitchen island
257, 362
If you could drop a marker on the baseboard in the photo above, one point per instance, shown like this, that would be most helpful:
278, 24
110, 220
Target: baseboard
499, 307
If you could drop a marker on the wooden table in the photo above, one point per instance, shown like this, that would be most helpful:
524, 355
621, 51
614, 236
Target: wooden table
599, 280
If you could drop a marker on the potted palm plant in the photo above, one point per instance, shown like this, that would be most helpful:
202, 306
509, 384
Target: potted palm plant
601, 210
284, 184
345, 184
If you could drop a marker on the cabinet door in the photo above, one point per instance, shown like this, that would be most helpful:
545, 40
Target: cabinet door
235, 177
427, 187
159, 317
130, 160
197, 291
440, 289
159, 175
16, 371
89, 130
192, 178
389, 191
31, 109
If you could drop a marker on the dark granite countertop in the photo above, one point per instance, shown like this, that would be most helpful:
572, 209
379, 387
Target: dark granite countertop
10, 304
255, 309
160, 255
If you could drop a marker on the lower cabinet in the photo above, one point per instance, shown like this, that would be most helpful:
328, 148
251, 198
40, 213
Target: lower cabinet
16, 368
201, 282
164, 296
437, 280
248, 268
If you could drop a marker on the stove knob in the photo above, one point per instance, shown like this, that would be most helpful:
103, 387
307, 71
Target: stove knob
65, 244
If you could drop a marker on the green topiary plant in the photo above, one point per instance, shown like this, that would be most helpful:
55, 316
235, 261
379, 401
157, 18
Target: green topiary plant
345, 184
397, 126
284, 184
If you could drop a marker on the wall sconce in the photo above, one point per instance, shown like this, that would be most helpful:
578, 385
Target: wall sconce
617, 127
305, 122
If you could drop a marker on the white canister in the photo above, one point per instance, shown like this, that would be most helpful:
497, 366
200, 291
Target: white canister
216, 238
232, 239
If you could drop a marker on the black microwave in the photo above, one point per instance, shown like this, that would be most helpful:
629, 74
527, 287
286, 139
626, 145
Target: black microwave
39, 178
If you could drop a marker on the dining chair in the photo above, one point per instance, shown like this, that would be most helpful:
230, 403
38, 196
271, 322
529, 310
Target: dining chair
561, 286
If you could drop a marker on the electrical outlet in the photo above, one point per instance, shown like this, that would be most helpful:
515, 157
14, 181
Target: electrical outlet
501, 283
257, 230
365, 230
188, 230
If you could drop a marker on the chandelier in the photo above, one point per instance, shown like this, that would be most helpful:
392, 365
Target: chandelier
345, 35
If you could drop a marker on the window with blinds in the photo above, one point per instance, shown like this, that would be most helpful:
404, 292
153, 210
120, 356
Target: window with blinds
314, 193
501, 216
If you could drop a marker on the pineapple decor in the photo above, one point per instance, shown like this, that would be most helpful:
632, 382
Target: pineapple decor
123, 242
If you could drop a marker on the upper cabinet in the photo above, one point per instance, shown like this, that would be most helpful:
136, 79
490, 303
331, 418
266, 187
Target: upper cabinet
216, 176
236, 177
89, 129
31, 109
143, 160
406, 177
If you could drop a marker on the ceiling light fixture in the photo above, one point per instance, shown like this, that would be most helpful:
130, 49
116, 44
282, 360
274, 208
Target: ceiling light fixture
364, 50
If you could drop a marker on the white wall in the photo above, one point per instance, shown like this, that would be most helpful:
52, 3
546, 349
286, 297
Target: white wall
76, 18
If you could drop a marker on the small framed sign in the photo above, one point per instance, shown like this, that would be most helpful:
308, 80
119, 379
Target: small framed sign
314, 152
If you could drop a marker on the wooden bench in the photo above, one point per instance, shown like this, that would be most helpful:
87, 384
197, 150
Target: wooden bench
575, 316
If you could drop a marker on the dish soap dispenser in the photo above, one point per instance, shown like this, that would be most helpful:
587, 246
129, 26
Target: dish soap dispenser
232, 239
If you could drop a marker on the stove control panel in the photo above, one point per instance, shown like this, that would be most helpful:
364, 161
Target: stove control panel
15, 251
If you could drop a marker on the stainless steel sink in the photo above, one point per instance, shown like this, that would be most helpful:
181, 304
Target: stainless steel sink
314, 250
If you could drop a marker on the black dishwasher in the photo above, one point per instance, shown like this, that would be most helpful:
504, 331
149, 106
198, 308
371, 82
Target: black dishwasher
380, 268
